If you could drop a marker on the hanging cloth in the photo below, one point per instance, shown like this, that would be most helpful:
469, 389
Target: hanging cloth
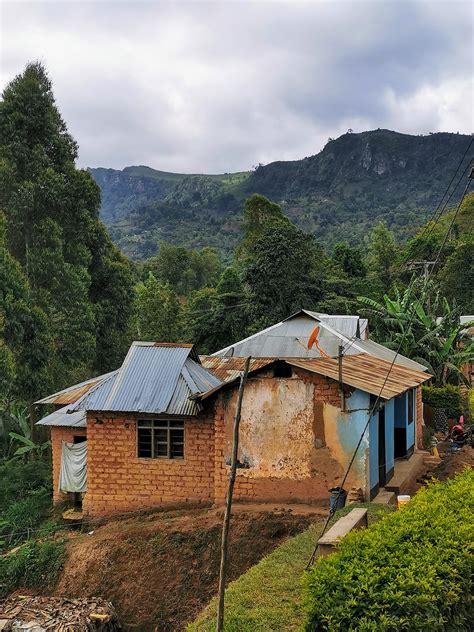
73, 473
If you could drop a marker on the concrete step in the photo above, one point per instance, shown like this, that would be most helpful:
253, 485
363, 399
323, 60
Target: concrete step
432, 460
385, 497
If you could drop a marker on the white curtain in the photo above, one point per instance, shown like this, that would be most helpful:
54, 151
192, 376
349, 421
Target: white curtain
73, 473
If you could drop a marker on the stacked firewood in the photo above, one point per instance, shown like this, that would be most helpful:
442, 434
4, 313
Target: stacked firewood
41, 614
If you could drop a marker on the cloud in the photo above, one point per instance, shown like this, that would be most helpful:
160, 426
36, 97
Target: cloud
214, 87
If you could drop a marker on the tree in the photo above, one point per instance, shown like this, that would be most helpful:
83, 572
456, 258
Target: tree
349, 259
423, 326
283, 275
158, 311
25, 337
216, 317
78, 286
457, 276
259, 216
382, 256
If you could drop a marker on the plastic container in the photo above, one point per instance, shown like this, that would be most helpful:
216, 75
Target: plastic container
403, 499
337, 498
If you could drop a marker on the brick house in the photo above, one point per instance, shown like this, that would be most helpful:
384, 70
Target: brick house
158, 429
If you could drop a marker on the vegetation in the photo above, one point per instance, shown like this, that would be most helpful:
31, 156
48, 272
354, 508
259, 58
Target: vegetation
266, 597
422, 324
409, 571
65, 290
25, 499
36, 564
448, 397
355, 182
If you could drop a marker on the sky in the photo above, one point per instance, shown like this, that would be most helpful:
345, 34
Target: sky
215, 87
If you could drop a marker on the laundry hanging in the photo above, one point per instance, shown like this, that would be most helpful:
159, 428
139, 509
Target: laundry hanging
73, 473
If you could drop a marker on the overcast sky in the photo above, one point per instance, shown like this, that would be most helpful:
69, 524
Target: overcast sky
217, 87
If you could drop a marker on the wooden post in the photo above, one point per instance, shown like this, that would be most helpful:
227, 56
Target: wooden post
228, 505
341, 383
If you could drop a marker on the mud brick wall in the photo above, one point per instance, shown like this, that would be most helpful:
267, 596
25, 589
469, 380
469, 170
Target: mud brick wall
120, 481
58, 435
317, 466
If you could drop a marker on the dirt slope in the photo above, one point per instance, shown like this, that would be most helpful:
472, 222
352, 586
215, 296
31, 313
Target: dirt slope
160, 570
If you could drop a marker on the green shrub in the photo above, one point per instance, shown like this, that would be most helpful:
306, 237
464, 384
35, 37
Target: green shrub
25, 499
34, 565
410, 571
448, 397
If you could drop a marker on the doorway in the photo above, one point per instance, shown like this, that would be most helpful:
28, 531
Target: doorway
382, 472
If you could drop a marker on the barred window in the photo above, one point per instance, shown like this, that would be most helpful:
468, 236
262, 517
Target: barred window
160, 439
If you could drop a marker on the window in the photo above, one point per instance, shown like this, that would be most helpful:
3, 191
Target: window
160, 439
282, 369
411, 405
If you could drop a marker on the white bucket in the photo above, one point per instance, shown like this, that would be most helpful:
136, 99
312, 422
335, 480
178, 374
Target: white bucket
402, 500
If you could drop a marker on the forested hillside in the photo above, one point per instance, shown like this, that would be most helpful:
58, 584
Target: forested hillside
71, 303
356, 181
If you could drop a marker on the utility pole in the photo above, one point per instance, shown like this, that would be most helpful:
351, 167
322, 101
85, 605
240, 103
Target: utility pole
228, 506
340, 356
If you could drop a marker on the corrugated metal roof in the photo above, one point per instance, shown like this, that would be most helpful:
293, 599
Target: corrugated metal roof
360, 371
384, 353
147, 379
345, 324
73, 393
65, 417
366, 373
154, 378
289, 339
227, 369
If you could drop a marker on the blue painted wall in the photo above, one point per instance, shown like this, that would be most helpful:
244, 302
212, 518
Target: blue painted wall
411, 427
374, 450
389, 435
401, 410
349, 428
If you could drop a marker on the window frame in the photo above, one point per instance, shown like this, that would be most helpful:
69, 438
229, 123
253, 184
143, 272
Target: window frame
161, 424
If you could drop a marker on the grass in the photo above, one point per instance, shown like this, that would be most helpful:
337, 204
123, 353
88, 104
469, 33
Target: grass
36, 564
267, 596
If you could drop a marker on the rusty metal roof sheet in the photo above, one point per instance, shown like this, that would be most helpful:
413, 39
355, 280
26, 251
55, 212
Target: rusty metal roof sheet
366, 373
360, 371
73, 393
227, 369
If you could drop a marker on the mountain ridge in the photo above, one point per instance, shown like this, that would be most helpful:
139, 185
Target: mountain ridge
339, 193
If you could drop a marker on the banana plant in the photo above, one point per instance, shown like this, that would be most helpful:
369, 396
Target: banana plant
421, 323
22, 440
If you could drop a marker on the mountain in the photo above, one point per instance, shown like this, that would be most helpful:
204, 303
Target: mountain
356, 181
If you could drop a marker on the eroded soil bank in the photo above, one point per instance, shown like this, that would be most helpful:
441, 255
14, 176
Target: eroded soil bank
160, 570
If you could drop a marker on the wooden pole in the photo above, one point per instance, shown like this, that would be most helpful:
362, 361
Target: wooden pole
340, 355
228, 505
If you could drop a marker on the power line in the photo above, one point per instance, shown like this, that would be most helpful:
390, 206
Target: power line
377, 400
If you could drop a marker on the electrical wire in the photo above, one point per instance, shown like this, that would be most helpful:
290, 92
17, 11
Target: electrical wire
377, 400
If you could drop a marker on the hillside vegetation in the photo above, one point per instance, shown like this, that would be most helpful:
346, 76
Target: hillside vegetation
356, 181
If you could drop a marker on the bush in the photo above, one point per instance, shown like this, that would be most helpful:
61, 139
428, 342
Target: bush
448, 397
25, 499
410, 571
34, 565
